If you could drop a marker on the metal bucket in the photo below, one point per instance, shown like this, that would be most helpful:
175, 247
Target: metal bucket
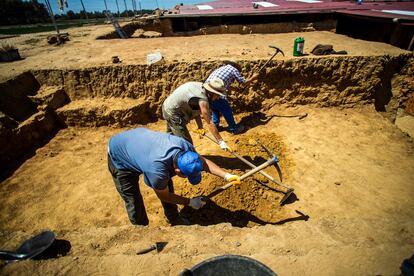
229, 265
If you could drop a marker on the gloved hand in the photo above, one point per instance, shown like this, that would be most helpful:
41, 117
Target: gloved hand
224, 146
197, 202
232, 178
201, 131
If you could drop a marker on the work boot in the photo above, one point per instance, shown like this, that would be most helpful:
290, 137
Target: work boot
220, 128
238, 130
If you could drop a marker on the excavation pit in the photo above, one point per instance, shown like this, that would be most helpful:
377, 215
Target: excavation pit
46, 107
351, 168
62, 117
257, 200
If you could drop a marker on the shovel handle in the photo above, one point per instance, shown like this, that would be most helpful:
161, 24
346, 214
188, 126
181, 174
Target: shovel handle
252, 165
9, 256
249, 173
269, 162
267, 62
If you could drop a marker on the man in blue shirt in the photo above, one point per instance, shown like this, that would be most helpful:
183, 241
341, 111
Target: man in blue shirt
228, 73
159, 157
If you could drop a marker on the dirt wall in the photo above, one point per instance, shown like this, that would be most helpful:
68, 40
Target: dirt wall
267, 28
19, 142
133, 94
327, 81
14, 101
189, 27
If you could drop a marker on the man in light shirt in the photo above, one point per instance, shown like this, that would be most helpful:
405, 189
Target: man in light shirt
192, 101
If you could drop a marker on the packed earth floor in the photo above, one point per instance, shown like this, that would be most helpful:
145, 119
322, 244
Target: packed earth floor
351, 167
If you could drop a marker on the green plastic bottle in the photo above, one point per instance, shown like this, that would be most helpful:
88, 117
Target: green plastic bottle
298, 46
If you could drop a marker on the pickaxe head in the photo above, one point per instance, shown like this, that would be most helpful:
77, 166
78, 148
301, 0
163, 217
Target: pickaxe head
270, 154
278, 50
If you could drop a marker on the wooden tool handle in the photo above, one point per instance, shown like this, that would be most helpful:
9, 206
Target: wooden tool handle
249, 173
146, 250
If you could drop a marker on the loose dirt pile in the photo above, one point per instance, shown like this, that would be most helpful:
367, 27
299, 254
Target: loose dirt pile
257, 201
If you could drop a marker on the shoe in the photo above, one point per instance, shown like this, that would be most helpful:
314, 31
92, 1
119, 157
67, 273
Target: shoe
220, 128
238, 130
177, 221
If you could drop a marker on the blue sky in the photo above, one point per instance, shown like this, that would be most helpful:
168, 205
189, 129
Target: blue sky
99, 5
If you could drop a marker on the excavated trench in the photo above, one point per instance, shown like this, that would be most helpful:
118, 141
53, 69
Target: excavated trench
36, 105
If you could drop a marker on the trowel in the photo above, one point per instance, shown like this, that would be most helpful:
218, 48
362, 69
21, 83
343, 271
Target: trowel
159, 246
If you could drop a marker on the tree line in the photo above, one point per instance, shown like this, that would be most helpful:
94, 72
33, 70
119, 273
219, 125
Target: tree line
13, 12
19, 12
98, 14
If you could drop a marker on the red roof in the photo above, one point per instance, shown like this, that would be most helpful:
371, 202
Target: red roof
384, 9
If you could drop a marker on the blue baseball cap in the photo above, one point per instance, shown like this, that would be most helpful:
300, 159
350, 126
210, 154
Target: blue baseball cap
190, 165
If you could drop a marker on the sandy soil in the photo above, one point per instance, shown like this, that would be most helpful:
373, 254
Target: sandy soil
83, 50
352, 171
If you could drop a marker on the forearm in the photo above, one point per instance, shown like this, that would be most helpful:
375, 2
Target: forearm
251, 79
213, 129
173, 198
199, 122
205, 112
214, 169
233, 89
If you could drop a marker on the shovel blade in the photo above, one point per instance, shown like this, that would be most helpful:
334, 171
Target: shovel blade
30, 248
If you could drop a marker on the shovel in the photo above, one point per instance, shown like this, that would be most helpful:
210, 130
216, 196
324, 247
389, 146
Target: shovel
30, 248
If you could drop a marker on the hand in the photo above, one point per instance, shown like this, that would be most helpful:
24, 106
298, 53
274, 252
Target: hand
201, 131
224, 146
197, 202
255, 75
232, 178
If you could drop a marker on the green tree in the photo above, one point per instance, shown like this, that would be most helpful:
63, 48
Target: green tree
70, 15
13, 12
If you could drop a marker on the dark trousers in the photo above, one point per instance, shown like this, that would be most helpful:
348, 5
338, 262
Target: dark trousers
222, 106
176, 126
127, 185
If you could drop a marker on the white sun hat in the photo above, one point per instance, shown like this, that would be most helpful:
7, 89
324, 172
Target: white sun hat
216, 86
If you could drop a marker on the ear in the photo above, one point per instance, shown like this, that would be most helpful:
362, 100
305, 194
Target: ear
178, 172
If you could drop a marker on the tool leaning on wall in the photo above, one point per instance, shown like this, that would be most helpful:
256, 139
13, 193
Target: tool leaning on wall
277, 50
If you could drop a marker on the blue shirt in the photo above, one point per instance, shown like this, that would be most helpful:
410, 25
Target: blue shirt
149, 152
228, 74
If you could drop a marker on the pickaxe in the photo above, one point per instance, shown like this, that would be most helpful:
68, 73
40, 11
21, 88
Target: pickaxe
278, 50
279, 171
269, 162
289, 191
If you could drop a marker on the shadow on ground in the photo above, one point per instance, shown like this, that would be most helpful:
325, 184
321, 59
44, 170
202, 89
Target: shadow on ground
212, 214
57, 249
233, 163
